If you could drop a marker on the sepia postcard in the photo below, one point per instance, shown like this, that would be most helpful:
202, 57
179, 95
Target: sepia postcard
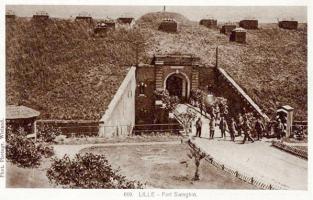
155, 101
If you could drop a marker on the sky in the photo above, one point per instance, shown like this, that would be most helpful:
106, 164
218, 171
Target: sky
195, 13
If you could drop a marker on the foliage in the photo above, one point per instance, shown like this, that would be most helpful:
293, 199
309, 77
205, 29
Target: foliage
21, 150
64, 58
186, 119
61, 70
170, 102
45, 150
152, 20
264, 67
48, 133
198, 156
88, 171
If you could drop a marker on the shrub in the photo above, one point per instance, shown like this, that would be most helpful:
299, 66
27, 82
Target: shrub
22, 151
87, 171
170, 102
45, 150
48, 133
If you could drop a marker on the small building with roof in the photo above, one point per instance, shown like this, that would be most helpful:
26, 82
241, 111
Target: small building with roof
84, 17
101, 29
238, 35
249, 24
125, 22
210, 23
21, 117
227, 28
110, 23
168, 25
41, 16
9, 16
288, 24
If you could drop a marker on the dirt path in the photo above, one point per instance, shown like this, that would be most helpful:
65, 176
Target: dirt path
258, 159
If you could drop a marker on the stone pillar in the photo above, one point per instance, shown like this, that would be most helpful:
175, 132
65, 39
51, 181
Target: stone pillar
288, 110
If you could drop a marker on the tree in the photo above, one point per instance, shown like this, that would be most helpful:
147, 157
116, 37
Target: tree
186, 119
88, 171
198, 156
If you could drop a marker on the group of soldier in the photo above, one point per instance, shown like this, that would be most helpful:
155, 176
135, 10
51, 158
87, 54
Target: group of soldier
242, 125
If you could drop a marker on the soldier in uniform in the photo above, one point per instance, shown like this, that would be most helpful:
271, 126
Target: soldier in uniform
212, 126
198, 127
223, 127
240, 124
246, 131
232, 129
259, 128
280, 129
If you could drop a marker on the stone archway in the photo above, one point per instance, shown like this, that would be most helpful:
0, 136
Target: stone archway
177, 84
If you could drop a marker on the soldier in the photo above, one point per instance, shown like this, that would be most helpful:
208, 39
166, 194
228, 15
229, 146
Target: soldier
280, 129
246, 131
259, 128
232, 129
223, 127
240, 124
212, 126
198, 127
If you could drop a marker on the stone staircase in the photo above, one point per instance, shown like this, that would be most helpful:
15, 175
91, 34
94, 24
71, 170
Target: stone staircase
159, 78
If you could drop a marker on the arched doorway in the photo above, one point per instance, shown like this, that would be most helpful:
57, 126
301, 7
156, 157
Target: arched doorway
178, 85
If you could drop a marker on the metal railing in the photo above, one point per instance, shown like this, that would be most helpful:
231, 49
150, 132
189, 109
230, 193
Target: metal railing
156, 128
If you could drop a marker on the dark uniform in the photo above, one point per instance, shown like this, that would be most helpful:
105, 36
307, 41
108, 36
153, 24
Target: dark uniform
232, 129
223, 127
259, 128
198, 127
246, 131
212, 127
240, 125
280, 129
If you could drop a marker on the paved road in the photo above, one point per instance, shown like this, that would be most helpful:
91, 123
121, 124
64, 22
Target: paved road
257, 159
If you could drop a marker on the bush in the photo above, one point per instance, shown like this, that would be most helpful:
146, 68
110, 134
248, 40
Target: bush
87, 171
22, 151
170, 102
48, 133
45, 150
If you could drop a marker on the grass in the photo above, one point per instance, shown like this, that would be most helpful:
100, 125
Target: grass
59, 68
62, 70
166, 166
271, 67
159, 166
126, 139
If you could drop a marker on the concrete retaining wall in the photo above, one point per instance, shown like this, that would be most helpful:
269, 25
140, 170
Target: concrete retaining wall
238, 98
119, 118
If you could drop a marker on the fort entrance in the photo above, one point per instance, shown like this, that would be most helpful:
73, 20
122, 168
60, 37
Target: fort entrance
178, 85
179, 74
